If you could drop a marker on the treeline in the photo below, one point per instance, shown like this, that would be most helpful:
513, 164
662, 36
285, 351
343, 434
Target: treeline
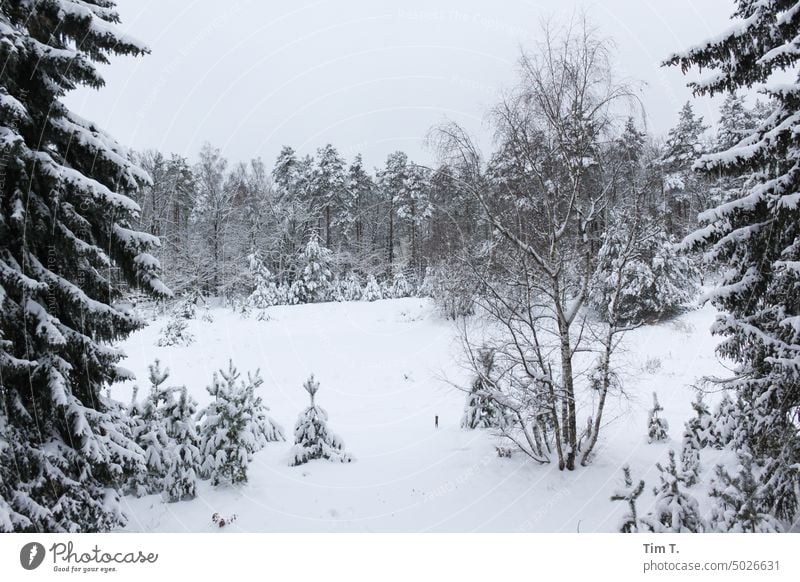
213, 216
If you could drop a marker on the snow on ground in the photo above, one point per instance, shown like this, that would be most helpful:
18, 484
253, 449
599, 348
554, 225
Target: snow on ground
385, 370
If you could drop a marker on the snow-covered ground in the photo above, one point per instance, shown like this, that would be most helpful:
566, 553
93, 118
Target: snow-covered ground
385, 370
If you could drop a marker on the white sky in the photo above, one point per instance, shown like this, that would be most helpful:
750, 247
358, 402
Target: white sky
369, 76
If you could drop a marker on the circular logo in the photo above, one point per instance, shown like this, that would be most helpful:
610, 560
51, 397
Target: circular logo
31, 555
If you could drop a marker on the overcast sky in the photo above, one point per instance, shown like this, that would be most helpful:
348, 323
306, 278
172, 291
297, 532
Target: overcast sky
369, 76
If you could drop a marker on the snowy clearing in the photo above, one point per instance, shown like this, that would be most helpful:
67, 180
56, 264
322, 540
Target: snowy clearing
385, 370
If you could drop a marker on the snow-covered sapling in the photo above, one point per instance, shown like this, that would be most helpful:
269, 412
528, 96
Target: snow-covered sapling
699, 428
629, 494
312, 438
675, 510
739, 501
482, 410
175, 333
184, 458
149, 433
234, 426
657, 427
690, 461
372, 291
401, 287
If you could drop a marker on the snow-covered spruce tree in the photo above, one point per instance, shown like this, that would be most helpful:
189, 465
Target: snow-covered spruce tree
724, 422
740, 503
265, 292
66, 224
629, 494
755, 238
315, 278
351, 288
175, 332
656, 280
657, 427
312, 438
178, 414
685, 192
675, 511
150, 434
372, 291
233, 427
401, 286
699, 429
690, 461
481, 410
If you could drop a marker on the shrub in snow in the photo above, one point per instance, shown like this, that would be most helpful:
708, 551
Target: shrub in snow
312, 439
657, 427
629, 494
184, 450
315, 278
221, 521
234, 426
175, 333
656, 281
401, 287
207, 316
481, 410
372, 291
187, 307
740, 501
675, 510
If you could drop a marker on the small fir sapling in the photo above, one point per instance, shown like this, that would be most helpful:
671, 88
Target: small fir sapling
312, 438
481, 410
676, 510
740, 501
657, 427
629, 494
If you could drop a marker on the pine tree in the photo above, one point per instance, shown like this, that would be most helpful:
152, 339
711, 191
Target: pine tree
150, 434
690, 461
66, 223
351, 287
699, 429
481, 410
180, 482
684, 190
753, 239
312, 438
675, 510
265, 292
657, 427
234, 426
656, 281
372, 291
316, 275
400, 286
175, 332
735, 122
629, 494
741, 505
724, 422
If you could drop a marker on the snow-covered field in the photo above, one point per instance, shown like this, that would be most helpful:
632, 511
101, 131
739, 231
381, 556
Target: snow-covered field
385, 370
